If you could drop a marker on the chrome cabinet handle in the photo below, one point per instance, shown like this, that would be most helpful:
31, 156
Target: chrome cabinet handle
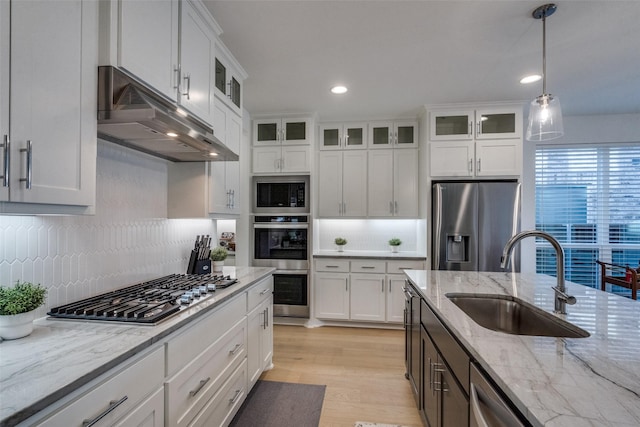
6, 164
264, 292
367, 267
382, 285
478, 129
470, 128
187, 79
235, 349
470, 165
235, 398
29, 150
266, 317
479, 165
331, 266
199, 387
346, 284
113, 404
177, 71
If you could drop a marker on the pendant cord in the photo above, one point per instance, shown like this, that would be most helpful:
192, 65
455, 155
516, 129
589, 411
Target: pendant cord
544, 55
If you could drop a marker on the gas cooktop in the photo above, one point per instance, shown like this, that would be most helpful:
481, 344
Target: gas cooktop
147, 302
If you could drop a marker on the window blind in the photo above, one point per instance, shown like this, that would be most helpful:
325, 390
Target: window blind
588, 197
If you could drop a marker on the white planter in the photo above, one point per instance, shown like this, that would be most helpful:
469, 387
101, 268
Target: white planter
394, 249
340, 248
17, 325
217, 265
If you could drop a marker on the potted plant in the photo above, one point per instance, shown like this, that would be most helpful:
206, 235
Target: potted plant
218, 255
18, 306
340, 242
395, 243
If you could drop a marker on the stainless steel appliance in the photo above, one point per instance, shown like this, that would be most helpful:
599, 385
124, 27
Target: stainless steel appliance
488, 408
284, 195
282, 242
471, 223
412, 339
148, 302
134, 115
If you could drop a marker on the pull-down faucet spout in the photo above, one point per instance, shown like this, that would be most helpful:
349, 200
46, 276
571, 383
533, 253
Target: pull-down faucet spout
561, 298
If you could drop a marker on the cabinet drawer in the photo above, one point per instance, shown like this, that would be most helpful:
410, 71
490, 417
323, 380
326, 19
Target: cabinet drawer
191, 388
368, 266
335, 265
259, 292
149, 413
452, 352
122, 392
397, 267
186, 346
224, 405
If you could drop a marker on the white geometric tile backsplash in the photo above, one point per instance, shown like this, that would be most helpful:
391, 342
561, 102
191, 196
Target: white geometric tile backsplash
128, 240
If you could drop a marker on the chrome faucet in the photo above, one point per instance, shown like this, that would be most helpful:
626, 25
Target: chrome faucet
561, 297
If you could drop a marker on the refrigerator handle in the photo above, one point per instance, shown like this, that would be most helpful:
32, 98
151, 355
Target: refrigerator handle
437, 225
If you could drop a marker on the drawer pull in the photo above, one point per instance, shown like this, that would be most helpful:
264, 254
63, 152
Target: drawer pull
264, 292
367, 267
113, 404
235, 349
331, 266
235, 397
197, 390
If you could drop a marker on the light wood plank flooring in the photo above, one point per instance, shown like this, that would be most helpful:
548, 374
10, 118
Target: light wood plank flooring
363, 370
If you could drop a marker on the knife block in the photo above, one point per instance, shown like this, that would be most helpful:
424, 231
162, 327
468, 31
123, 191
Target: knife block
198, 266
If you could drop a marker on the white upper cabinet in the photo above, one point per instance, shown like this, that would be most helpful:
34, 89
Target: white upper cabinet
342, 184
229, 79
49, 145
148, 42
480, 142
343, 136
480, 123
393, 183
277, 131
393, 134
197, 61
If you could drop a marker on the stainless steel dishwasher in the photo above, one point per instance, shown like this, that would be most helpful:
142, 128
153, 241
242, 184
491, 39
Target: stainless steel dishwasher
488, 409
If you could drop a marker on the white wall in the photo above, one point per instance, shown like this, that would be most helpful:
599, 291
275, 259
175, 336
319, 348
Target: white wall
128, 240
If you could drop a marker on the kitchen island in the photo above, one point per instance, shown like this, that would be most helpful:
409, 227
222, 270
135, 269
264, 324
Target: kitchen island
62, 358
593, 381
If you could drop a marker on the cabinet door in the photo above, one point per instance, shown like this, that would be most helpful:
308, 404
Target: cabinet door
220, 120
219, 198
380, 134
428, 394
498, 157
256, 322
266, 132
395, 298
354, 184
53, 101
405, 183
454, 406
296, 131
451, 125
452, 158
380, 183
149, 413
197, 61
330, 184
405, 134
330, 136
368, 298
266, 159
494, 123
234, 131
232, 183
5, 36
355, 136
296, 159
148, 42
332, 296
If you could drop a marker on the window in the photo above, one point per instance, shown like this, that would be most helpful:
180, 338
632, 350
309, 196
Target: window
588, 197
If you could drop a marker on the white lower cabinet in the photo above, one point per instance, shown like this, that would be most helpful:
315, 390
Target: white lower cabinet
260, 326
367, 290
149, 413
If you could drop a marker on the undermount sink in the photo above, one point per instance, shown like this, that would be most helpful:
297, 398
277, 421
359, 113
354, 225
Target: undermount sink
505, 313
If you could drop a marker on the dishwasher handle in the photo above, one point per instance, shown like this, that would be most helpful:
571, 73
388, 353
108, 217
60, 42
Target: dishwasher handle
487, 408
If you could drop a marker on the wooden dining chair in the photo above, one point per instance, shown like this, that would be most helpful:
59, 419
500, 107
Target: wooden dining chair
619, 275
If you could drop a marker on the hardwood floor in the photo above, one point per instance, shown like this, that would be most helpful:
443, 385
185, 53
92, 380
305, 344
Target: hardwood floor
363, 370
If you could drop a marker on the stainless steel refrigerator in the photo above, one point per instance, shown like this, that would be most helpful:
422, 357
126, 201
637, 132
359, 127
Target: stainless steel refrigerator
471, 223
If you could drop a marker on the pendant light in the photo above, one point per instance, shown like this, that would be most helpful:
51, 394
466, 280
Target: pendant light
545, 115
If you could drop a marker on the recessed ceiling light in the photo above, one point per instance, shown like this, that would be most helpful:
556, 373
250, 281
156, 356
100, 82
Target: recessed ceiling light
530, 79
173, 134
212, 154
181, 112
339, 90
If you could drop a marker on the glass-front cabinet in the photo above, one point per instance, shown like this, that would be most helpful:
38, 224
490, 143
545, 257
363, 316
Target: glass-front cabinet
393, 134
229, 77
485, 123
281, 131
335, 136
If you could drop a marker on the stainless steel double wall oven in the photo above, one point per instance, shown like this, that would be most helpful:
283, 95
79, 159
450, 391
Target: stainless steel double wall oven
281, 239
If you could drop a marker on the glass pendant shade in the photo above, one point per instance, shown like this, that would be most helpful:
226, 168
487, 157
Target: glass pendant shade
545, 119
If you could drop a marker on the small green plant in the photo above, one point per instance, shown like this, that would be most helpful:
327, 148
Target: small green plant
219, 254
21, 298
340, 241
395, 242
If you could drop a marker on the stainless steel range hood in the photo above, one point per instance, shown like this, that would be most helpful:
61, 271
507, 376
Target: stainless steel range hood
133, 115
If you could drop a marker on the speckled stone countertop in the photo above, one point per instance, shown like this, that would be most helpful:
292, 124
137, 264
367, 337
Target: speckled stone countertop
561, 382
63, 355
382, 255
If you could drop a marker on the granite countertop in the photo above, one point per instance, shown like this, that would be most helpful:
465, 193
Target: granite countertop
383, 255
62, 355
562, 382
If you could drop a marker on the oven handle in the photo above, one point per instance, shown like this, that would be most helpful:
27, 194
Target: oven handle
281, 226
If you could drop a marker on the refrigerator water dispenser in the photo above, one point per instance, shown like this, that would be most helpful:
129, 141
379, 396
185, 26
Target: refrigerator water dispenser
457, 248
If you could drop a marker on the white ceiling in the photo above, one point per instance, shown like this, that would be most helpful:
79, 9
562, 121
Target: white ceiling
396, 56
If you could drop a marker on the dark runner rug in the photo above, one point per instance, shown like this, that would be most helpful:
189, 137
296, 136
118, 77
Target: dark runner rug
277, 404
